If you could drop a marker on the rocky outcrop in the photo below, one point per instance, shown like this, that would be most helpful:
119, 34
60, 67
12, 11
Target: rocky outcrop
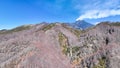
100, 46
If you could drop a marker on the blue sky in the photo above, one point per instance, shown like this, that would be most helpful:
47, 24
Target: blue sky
18, 12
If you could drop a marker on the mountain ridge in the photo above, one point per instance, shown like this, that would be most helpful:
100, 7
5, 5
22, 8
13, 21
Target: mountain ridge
58, 45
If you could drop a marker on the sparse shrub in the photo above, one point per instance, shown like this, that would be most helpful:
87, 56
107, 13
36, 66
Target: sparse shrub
63, 43
66, 49
48, 27
20, 28
116, 24
101, 63
75, 49
75, 31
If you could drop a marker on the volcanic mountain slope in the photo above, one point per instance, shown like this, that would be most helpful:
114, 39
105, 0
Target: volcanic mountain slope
36, 47
100, 47
60, 46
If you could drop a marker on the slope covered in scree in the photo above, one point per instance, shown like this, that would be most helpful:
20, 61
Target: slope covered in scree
100, 47
60, 46
36, 47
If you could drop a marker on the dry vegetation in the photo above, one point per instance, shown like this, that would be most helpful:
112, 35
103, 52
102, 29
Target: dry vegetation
20, 28
47, 27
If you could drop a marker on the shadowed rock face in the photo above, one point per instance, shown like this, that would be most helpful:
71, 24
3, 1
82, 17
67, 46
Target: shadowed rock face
60, 46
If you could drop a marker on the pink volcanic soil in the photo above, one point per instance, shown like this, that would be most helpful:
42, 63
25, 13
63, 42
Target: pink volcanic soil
47, 55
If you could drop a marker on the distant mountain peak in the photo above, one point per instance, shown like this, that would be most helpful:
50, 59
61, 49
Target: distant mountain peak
80, 21
81, 24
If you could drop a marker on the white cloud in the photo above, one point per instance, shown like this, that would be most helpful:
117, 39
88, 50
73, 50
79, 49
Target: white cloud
94, 14
100, 9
